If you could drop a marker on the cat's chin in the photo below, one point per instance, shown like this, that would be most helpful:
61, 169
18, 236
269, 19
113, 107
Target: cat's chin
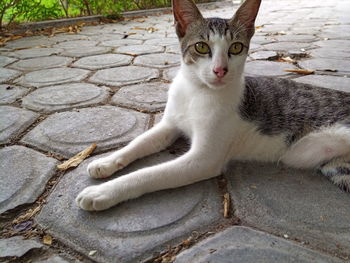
217, 84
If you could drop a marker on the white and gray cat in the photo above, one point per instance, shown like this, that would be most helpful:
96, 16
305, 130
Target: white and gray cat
227, 116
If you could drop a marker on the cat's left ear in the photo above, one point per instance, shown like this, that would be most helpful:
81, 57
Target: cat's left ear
246, 15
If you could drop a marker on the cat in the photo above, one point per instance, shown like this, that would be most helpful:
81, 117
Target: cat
227, 116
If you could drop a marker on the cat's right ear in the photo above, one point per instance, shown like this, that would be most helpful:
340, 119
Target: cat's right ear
185, 13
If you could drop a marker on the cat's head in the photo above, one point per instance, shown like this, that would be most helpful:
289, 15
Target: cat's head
214, 50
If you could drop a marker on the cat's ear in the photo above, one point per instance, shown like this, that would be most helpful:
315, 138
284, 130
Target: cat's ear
245, 16
185, 13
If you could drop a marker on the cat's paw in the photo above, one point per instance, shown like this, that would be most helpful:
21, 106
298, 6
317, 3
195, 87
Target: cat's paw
95, 198
105, 167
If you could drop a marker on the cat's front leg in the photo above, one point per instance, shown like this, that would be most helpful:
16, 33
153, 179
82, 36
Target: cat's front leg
154, 140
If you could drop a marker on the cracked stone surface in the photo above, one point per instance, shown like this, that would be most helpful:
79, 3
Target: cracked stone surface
121, 42
169, 74
6, 60
329, 82
68, 133
13, 121
139, 49
64, 97
10, 93
24, 174
103, 61
158, 60
286, 46
17, 246
329, 53
77, 44
326, 64
264, 55
82, 52
36, 52
32, 64
8, 74
136, 228
267, 68
145, 97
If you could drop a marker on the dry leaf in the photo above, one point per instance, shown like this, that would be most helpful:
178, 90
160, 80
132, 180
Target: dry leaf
47, 240
258, 27
28, 215
226, 205
286, 59
301, 71
77, 159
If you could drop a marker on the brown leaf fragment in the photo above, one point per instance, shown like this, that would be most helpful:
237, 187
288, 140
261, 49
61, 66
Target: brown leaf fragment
226, 205
301, 71
47, 240
286, 59
26, 216
76, 159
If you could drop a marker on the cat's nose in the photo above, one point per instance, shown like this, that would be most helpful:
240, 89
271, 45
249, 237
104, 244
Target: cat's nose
220, 72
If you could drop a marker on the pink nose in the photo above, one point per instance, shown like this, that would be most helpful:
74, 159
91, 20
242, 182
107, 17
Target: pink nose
220, 72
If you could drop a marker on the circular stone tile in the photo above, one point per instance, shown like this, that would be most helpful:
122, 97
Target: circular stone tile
162, 41
124, 75
67, 133
169, 74
76, 44
103, 61
32, 64
267, 68
121, 42
326, 64
65, 96
52, 76
6, 60
8, 74
148, 97
173, 49
82, 52
158, 60
36, 52
9, 93
139, 49
23, 175
286, 46
28, 42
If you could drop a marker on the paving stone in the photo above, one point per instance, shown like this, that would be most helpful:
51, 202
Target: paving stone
329, 82
68, 37
8, 74
124, 75
298, 203
28, 42
329, 53
263, 55
135, 229
169, 74
121, 42
68, 133
106, 37
77, 44
254, 47
335, 44
267, 68
162, 41
66, 96
145, 97
103, 61
46, 77
326, 64
296, 38
256, 39
24, 174
83, 52
9, 93
173, 49
17, 246
139, 49
157, 118
246, 245
286, 46
158, 60
13, 121
32, 64
36, 52
54, 259
6, 60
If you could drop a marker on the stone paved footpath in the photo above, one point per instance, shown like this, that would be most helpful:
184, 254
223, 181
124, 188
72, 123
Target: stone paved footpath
108, 84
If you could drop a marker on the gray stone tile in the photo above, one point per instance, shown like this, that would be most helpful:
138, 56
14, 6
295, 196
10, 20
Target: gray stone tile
162, 41
169, 74
36, 52
329, 53
157, 118
9, 93
54, 259
103, 61
326, 64
139, 49
158, 60
335, 44
296, 38
256, 39
263, 55
120, 42
301, 204
13, 121
29, 42
173, 49
267, 68
144, 97
329, 82
286, 46
135, 229
76, 44
246, 245
84, 52
68, 133
6, 60
32, 64
46, 77
17, 246
24, 174
68, 37
66, 96
124, 75
8, 74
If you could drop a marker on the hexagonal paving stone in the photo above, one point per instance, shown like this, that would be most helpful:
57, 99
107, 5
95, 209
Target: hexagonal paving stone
77, 44
83, 52
28, 42
66, 96
103, 61
124, 75
263, 55
335, 44
6, 60
17, 246
24, 174
329, 82
149, 97
132, 230
32, 64
326, 64
301, 204
9, 93
268, 68
8, 74
139, 49
162, 41
46, 77
296, 38
36, 52
67, 133
158, 60
246, 245
173, 49
13, 121
121, 42
286, 46
329, 53
170, 74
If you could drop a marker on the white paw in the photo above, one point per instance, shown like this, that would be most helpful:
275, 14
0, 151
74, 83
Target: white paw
104, 167
95, 198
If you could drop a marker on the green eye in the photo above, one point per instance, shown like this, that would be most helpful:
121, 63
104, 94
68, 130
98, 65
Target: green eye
202, 48
235, 48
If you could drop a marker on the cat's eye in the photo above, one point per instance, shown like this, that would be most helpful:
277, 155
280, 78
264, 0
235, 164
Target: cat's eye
202, 48
235, 48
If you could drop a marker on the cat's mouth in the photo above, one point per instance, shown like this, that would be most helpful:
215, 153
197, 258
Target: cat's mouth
218, 82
